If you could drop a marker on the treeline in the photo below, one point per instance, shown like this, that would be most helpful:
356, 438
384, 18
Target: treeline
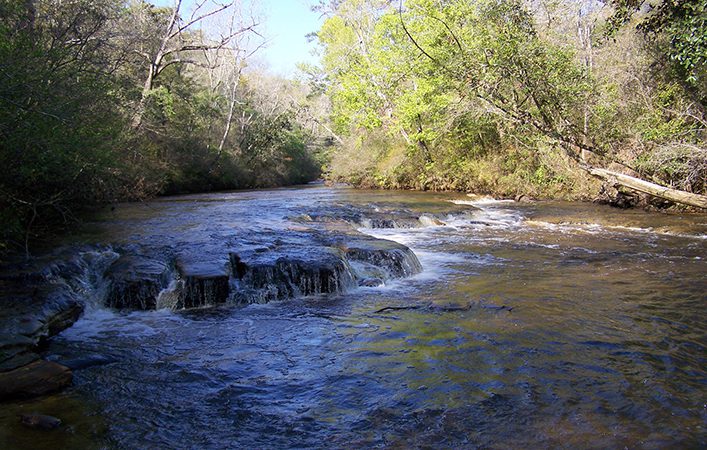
108, 100
513, 97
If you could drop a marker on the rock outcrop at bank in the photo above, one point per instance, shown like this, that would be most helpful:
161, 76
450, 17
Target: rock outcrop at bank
44, 297
40, 299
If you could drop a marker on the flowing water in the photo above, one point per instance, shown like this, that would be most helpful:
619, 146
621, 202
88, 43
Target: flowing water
531, 325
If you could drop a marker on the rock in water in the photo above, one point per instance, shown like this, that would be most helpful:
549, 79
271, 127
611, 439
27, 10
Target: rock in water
87, 361
393, 259
31, 313
39, 421
136, 281
205, 281
289, 272
37, 378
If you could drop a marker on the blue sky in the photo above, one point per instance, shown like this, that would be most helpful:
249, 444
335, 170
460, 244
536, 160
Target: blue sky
286, 22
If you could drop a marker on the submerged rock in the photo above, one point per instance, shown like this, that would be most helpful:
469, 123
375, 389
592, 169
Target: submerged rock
86, 362
388, 216
34, 379
370, 282
39, 421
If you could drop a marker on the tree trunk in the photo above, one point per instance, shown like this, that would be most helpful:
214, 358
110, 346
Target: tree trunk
584, 32
155, 66
656, 190
137, 118
231, 108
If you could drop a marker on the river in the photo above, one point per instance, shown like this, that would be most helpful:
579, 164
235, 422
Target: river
531, 325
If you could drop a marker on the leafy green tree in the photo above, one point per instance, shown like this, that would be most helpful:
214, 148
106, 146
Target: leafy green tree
58, 124
679, 26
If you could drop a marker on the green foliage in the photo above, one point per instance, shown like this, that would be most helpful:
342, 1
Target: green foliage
58, 124
681, 25
73, 77
455, 82
482, 98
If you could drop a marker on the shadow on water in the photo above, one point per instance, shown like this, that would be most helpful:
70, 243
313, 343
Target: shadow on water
547, 324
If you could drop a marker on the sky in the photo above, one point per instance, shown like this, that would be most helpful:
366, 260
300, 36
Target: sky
285, 25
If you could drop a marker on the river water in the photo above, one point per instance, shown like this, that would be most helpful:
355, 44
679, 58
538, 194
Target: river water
531, 325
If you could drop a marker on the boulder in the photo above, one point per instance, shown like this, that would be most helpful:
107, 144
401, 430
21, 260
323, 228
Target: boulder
290, 271
375, 258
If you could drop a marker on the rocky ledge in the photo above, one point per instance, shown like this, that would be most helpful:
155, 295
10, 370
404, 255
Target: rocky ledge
270, 266
385, 216
40, 299
44, 297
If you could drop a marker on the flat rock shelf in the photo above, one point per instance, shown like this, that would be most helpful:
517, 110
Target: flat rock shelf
43, 297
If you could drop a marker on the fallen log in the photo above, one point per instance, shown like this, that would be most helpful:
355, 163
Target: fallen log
646, 187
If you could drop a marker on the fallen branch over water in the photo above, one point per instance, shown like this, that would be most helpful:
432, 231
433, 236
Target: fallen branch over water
656, 190
396, 308
446, 308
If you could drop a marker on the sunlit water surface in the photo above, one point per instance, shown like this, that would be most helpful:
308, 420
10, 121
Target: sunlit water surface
532, 325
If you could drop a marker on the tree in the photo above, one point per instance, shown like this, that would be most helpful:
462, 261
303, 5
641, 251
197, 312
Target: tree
179, 42
485, 97
58, 125
682, 23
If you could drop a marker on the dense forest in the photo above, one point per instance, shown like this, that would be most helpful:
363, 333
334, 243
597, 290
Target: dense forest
108, 100
111, 100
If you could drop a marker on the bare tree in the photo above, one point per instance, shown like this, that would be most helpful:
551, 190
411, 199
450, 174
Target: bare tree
181, 41
237, 55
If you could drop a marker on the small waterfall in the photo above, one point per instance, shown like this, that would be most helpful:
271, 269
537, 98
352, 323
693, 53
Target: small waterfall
429, 221
289, 277
135, 281
44, 297
491, 213
383, 221
199, 291
142, 279
398, 262
83, 273
170, 297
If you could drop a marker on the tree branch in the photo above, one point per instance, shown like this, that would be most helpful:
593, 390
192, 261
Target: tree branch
199, 18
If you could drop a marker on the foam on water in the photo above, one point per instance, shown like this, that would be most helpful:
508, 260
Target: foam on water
100, 322
490, 214
596, 228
